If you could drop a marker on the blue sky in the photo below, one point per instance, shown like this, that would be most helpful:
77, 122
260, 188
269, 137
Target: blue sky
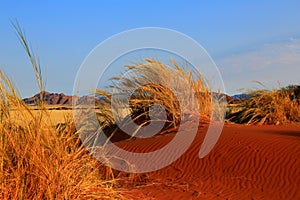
248, 40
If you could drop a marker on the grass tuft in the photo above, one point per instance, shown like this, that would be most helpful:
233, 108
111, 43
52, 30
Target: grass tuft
268, 107
174, 87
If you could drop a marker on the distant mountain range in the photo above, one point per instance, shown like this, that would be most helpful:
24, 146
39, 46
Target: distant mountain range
65, 100
60, 99
241, 96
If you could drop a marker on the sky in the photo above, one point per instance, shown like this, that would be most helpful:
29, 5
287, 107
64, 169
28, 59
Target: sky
248, 40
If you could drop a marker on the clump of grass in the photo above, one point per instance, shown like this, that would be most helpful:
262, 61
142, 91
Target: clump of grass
174, 87
268, 107
38, 160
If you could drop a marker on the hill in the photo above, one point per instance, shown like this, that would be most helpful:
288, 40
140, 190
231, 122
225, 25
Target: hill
60, 99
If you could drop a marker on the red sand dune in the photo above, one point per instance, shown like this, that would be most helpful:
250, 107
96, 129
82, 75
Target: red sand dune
248, 162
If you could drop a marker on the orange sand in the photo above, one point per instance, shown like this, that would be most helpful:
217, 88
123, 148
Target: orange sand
248, 162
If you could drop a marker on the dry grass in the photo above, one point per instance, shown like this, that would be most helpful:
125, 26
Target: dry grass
54, 117
267, 107
177, 89
39, 161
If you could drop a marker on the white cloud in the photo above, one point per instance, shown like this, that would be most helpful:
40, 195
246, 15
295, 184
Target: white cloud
269, 64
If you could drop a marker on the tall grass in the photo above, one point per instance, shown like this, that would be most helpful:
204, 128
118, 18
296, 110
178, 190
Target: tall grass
38, 160
268, 107
174, 87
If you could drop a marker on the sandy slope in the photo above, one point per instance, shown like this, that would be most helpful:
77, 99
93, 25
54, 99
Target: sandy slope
248, 162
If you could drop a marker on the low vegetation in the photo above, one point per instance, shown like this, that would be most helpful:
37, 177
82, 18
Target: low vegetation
268, 107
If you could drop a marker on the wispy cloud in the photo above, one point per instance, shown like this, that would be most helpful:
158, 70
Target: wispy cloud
269, 63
